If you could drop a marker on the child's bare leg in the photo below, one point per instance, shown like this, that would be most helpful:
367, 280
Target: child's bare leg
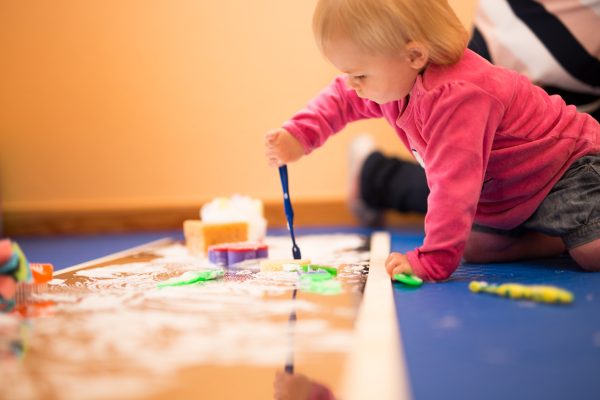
483, 247
587, 255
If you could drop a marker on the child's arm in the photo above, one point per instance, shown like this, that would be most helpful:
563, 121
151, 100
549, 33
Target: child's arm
328, 113
459, 128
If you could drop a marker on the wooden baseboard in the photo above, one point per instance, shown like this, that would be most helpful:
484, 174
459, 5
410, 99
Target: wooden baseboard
56, 222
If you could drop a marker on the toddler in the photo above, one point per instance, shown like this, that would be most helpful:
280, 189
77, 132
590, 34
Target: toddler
513, 173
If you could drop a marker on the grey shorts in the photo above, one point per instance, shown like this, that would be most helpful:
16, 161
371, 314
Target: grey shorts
571, 210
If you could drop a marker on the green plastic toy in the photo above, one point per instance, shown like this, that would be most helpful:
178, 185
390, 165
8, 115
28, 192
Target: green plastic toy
314, 267
315, 277
408, 279
191, 277
324, 287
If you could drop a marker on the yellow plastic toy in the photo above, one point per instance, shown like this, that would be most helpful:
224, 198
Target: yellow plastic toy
539, 293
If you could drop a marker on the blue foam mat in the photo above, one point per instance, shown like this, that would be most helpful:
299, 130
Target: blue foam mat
67, 250
462, 345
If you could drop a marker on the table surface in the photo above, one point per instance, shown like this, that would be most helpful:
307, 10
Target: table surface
457, 344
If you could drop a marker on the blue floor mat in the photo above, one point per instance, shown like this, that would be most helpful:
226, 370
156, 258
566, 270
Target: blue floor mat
462, 345
67, 250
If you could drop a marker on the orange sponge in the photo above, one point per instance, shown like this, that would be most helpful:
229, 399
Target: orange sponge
199, 235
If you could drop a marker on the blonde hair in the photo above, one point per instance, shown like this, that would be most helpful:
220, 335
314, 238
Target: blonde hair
386, 26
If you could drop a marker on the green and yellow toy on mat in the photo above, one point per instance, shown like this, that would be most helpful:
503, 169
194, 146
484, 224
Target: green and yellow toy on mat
539, 293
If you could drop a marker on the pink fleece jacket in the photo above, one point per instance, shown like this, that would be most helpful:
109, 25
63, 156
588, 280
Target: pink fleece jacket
492, 145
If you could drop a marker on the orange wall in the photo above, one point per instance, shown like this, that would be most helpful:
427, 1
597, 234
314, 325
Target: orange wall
129, 103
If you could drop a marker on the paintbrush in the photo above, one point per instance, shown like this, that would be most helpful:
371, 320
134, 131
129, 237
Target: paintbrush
289, 212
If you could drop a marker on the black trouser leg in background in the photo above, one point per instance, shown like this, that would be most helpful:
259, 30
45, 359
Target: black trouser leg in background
391, 183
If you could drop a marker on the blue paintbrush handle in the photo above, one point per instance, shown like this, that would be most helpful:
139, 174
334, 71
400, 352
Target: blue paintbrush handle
287, 202
289, 212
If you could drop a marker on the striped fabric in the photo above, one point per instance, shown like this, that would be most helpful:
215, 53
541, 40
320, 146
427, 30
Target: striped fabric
556, 43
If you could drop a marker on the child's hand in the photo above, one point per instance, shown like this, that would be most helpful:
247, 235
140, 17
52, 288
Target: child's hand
282, 148
397, 263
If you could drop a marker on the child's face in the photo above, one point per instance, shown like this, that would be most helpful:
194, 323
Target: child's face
379, 78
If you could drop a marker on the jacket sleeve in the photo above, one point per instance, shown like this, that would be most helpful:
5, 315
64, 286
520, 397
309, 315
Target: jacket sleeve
459, 124
328, 113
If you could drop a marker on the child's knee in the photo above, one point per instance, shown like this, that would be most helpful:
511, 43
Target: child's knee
587, 255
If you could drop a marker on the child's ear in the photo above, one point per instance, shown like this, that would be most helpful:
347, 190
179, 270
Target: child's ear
418, 55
